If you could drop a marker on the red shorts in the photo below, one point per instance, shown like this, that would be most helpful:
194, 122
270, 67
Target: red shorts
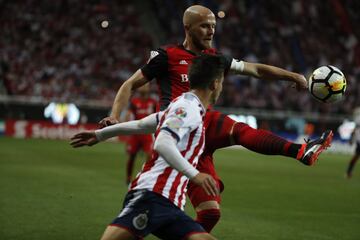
140, 142
196, 194
217, 135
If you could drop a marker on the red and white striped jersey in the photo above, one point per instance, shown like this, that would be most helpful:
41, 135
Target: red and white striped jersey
184, 120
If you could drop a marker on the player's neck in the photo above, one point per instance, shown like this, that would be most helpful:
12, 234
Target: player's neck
203, 96
189, 45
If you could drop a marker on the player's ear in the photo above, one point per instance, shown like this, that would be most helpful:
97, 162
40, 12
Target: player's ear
214, 85
187, 27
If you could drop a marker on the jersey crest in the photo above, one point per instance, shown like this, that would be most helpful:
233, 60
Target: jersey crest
181, 112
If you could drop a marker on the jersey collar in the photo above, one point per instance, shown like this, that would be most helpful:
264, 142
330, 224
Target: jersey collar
203, 110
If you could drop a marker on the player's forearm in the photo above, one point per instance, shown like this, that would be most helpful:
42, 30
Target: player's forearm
143, 126
124, 93
166, 147
121, 100
263, 71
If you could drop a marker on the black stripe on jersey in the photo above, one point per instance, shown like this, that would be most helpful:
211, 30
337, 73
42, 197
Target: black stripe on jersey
173, 134
157, 66
164, 84
157, 119
220, 123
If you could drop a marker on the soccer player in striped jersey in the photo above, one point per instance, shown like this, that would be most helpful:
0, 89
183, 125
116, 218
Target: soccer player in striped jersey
140, 106
169, 66
156, 198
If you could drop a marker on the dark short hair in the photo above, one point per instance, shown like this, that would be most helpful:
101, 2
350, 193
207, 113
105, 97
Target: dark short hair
205, 69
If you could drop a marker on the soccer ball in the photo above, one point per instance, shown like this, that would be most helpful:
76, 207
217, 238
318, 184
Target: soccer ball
327, 84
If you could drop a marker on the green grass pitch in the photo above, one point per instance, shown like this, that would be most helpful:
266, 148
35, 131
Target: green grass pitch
51, 191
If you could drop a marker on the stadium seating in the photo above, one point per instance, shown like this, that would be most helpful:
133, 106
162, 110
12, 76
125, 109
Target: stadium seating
59, 51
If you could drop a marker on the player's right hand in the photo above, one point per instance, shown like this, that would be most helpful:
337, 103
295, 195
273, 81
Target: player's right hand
87, 138
301, 82
207, 182
108, 121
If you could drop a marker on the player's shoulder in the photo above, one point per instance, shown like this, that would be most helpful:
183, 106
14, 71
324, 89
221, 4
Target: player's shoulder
187, 104
165, 50
169, 46
179, 51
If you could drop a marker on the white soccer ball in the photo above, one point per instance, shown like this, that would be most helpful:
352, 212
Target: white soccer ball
327, 84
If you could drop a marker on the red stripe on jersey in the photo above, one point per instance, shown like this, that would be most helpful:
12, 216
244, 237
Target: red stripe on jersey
176, 182
161, 180
198, 147
154, 156
175, 186
147, 166
191, 160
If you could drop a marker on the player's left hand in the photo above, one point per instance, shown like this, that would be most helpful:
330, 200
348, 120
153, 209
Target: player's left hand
207, 182
87, 138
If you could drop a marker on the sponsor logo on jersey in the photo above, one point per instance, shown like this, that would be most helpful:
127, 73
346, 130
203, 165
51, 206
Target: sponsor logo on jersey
152, 55
184, 78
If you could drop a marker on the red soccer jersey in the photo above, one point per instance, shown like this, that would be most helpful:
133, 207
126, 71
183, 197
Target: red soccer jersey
142, 107
169, 65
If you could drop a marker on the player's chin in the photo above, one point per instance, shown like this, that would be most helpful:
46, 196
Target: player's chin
207, 44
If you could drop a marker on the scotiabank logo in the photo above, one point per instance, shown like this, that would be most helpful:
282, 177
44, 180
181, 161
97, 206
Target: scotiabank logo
54, 132
20, 129
43, 129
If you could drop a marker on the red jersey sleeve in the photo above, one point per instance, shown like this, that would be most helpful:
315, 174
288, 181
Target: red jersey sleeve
157, 64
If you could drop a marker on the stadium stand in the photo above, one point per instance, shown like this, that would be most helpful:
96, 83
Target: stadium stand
57, 50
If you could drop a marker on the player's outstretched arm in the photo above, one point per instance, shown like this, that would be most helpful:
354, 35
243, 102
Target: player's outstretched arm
263, 71
143, 126
165, 145
122, 97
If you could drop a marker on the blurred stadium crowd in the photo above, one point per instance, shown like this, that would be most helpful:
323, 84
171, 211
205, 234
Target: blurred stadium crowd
58, 49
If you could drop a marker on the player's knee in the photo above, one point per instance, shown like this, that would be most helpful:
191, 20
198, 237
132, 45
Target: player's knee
201, 236
210, 214
208, 218
117, 233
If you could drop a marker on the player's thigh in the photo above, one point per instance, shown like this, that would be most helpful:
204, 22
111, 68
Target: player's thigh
117, 233
200, 236
179, 227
